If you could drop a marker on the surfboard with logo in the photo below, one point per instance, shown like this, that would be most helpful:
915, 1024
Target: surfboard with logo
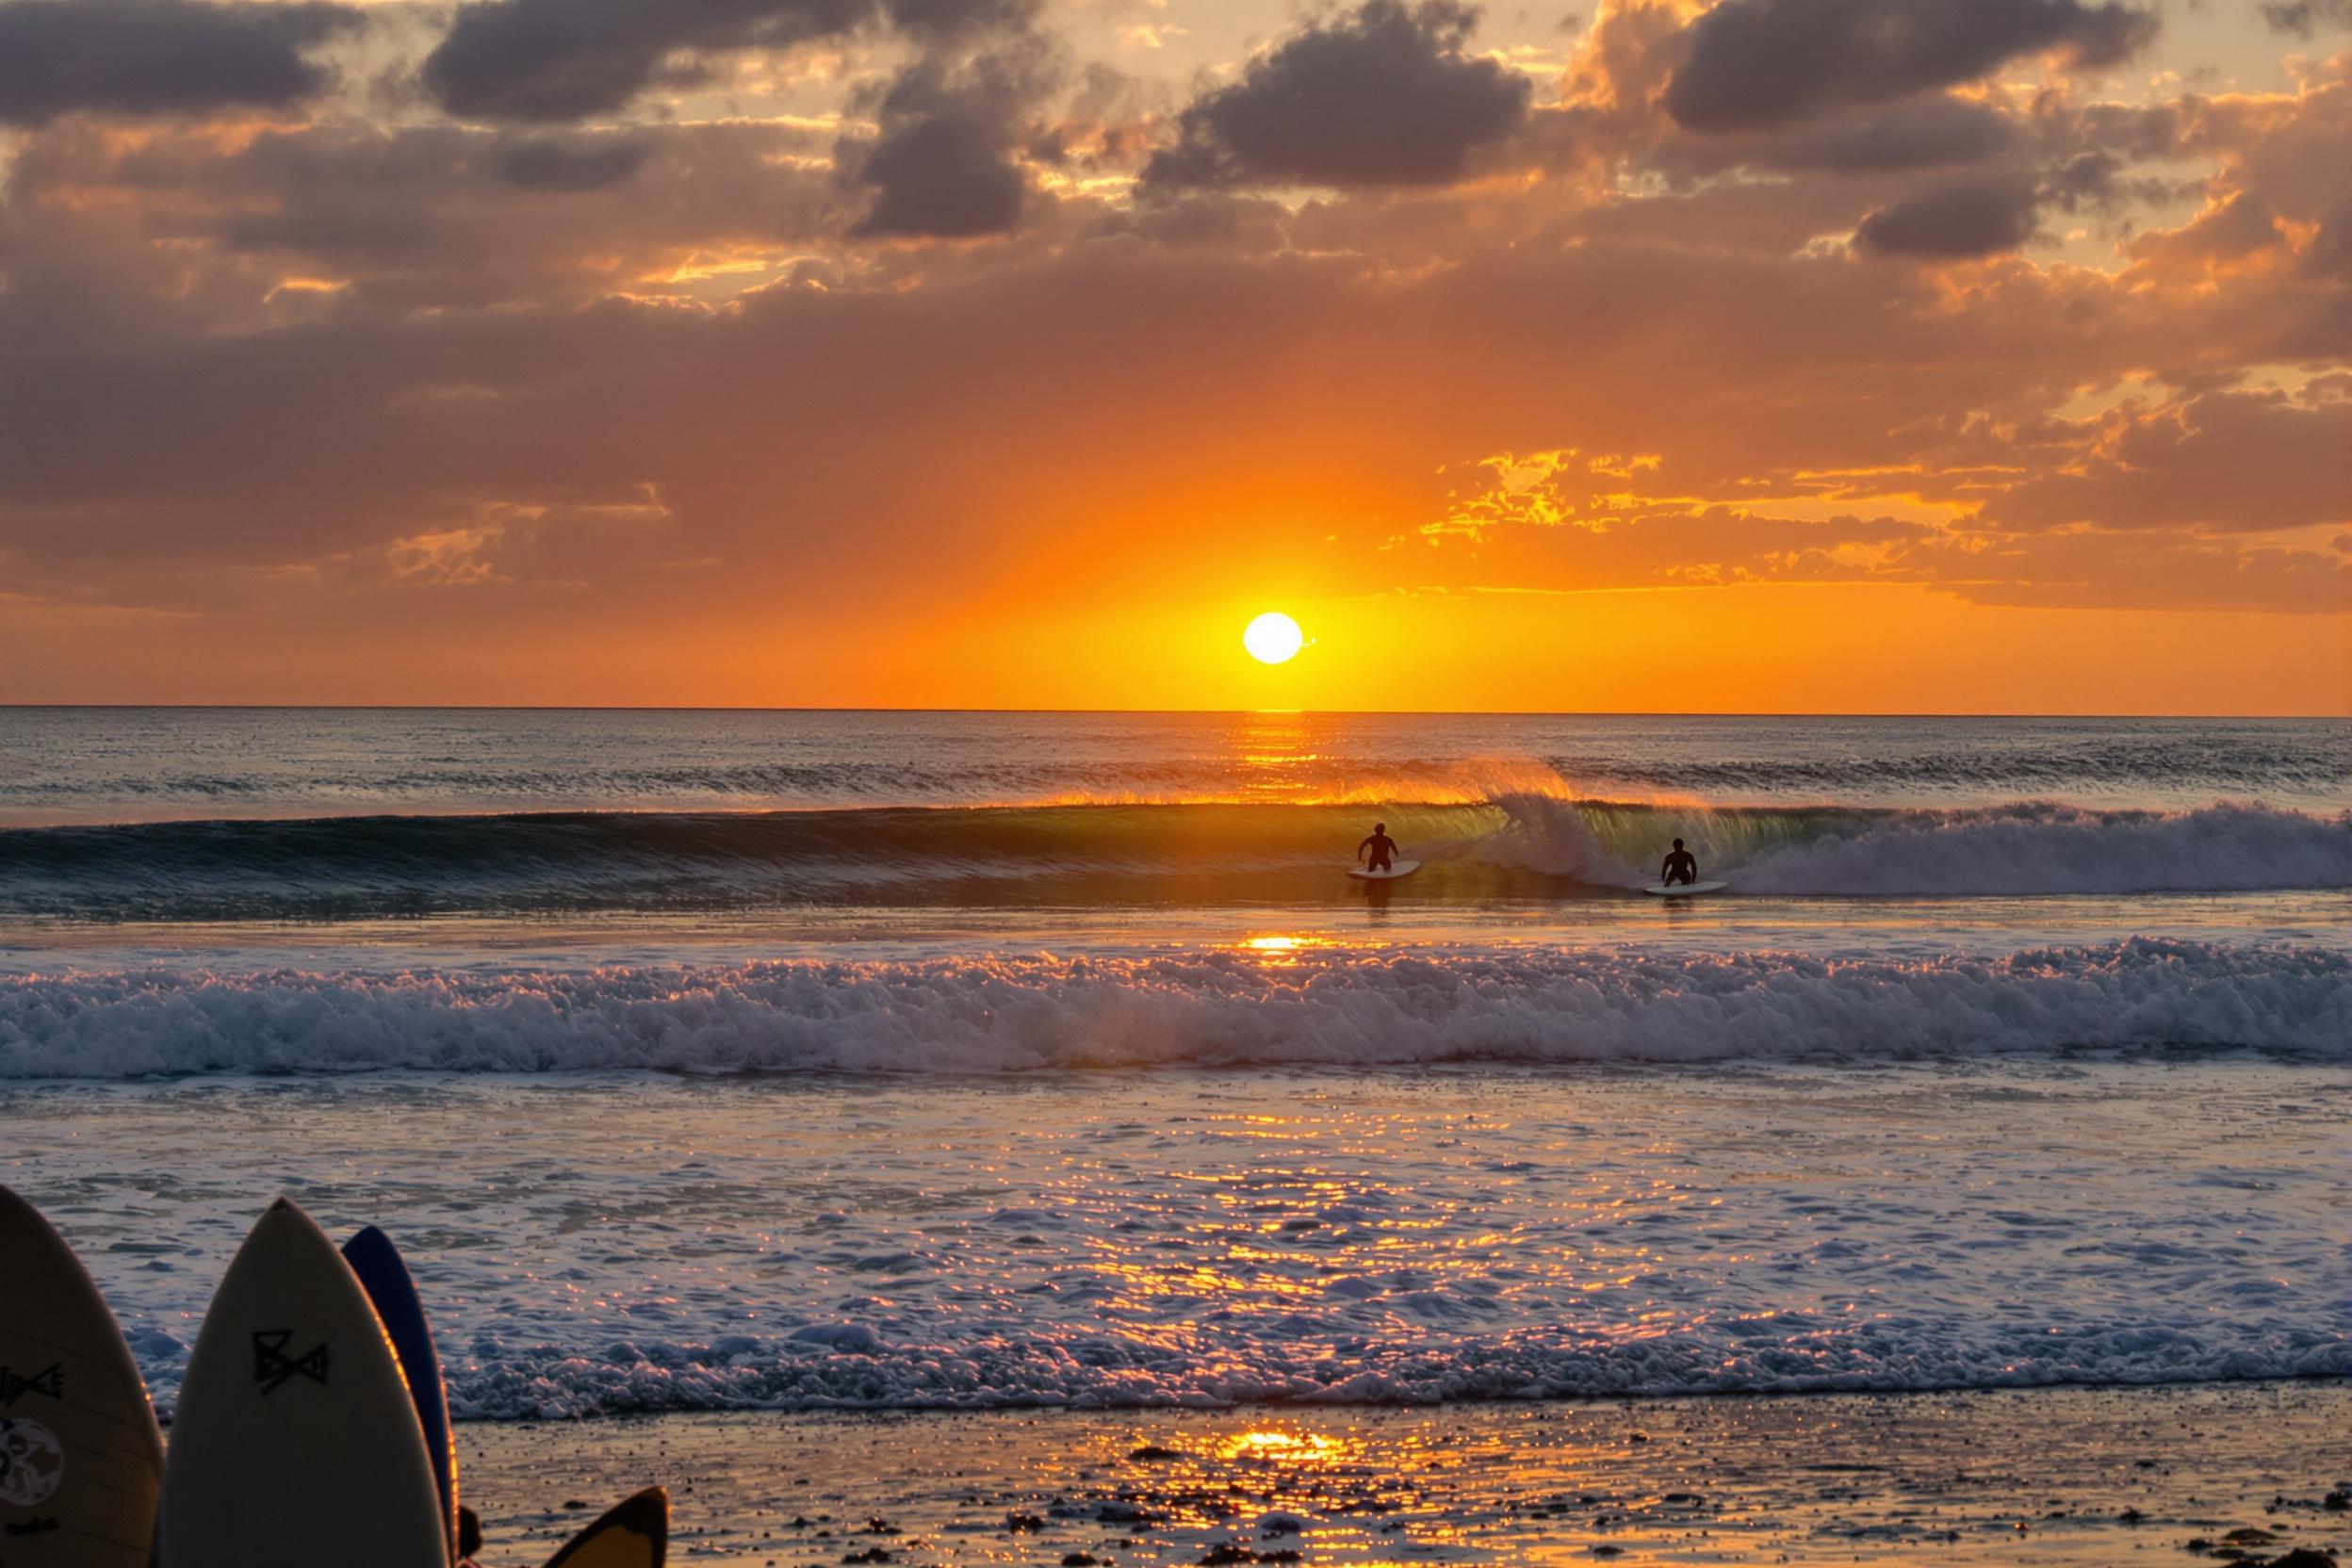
393, 1293
294, 1444
1389, 874
81, 1461
635, 1533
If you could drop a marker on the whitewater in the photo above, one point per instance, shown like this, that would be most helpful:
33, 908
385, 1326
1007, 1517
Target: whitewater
722, 1061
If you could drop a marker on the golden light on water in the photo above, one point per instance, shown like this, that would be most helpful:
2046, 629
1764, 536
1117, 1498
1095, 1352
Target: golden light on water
1266, 1444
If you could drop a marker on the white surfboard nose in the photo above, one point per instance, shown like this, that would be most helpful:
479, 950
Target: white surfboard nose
80, 1457
295, 1441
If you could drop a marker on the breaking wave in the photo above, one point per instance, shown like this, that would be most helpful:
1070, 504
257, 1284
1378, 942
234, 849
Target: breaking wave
1215, 1009
1512, 845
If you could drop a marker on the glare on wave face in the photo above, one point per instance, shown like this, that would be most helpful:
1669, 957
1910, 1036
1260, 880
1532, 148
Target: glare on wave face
1273, 638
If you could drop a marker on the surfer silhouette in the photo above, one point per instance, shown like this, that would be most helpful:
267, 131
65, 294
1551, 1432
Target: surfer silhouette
1383, 848
1681, 867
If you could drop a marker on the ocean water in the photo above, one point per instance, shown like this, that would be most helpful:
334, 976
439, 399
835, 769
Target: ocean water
809, 1060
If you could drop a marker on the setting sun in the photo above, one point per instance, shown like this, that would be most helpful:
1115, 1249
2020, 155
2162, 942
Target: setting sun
1273, 638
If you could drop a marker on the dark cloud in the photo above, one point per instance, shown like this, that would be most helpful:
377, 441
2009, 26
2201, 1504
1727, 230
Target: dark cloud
157, 57
433, 215
1384, 96
1922, 134
545, 164
1972, 218
547, 60
1762, 62
1936, 131
2239, 461
944, 166
2304, 17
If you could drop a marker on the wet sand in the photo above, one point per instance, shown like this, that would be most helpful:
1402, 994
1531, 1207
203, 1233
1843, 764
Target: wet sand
2059, 1475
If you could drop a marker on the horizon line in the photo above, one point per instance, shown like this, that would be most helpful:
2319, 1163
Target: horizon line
1141, 712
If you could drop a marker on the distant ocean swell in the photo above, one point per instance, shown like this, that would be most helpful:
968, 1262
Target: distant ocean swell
1328, 1007
1512, 845
354, 763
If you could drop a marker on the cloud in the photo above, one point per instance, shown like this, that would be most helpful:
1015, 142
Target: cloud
158, 58
944, 166
544, 163
251, 230
2304, 17
266, 370
550, 60
1918, 134
2235, 462
1531, 526
1381, 95
1972, 218
1761, 62
2148, 571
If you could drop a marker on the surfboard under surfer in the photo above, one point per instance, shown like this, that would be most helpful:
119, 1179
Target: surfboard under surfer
1383, 848
1681, 867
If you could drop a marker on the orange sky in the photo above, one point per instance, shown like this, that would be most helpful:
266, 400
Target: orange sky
1783, 355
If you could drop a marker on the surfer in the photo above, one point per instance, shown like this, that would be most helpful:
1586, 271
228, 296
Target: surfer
1681, 867
1383, 848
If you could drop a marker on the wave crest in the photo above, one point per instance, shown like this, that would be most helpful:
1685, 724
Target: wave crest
1517, 844
1202, 1009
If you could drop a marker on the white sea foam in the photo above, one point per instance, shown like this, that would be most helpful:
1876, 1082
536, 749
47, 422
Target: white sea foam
1211, 1007
599, 1243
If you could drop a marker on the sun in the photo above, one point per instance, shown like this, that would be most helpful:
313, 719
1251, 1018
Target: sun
1273, 638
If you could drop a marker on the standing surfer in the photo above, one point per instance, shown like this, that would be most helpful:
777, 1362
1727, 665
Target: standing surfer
1383, 848
1681, 867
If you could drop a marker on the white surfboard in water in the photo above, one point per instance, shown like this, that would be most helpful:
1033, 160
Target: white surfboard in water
294, 1444
80, 1459
1684, 890
1400, 868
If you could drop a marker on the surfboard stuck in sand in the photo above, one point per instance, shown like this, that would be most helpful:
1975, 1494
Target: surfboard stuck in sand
1684, 890
1402, 868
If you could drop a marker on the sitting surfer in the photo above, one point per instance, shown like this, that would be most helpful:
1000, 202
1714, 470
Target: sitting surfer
1383, 848
1681, 867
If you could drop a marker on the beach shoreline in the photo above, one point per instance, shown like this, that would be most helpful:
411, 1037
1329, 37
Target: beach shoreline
2065, 1476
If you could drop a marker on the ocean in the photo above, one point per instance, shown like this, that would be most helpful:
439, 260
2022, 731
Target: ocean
752, 1061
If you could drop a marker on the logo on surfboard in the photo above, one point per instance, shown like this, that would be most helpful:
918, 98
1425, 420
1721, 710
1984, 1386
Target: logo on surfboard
274, 1365
50, 1380
32, 1462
